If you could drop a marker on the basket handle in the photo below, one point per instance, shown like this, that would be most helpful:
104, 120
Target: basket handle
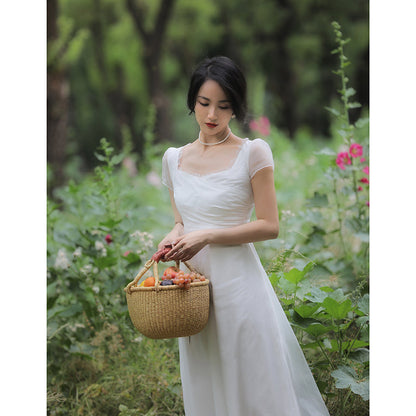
147, 267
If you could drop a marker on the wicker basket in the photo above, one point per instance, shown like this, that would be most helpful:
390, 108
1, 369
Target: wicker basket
167, 311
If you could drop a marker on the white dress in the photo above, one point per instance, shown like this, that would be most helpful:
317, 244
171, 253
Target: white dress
247, 360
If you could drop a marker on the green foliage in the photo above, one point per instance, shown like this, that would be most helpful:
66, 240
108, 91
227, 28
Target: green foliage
99, 229
284, 44
94, 249
325, 296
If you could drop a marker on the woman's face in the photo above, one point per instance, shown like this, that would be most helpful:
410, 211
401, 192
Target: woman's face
212, 109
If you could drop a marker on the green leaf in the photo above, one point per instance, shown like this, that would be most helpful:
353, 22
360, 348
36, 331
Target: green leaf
317, 329
71, 311
360, 355
110, 223
335, 309
116, 159
333, 111
361, 122
100, 157
364, 304
105, 262
346, 377
132, 258
274, 278
354, 105
316, 295
305, 311
317, 201
350, 92
295, 276
287, 287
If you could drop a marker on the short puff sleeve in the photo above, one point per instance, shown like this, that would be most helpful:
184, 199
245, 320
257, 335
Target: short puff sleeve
166, 168
260, 157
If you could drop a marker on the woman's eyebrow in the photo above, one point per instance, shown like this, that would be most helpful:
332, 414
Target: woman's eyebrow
221, 101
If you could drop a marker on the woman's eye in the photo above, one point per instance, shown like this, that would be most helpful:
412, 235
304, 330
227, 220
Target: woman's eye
203, 104
224, 108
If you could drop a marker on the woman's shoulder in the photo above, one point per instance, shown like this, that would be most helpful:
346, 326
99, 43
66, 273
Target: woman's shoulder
171, 152
258, 147
258, 142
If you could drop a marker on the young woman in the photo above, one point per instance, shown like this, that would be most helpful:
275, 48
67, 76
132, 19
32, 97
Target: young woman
247, 361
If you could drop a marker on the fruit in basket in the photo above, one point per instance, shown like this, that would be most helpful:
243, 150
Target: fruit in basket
166, 282
149, 282
170, 273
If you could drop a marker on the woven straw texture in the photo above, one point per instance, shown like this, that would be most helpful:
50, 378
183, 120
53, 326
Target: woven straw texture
168, 311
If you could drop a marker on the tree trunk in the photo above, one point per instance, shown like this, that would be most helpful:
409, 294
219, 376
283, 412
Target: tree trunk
57, 104
153, 43
283, 81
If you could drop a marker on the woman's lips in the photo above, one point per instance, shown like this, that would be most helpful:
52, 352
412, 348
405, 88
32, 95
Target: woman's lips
211, 125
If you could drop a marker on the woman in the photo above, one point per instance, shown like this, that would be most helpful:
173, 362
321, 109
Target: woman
247, 361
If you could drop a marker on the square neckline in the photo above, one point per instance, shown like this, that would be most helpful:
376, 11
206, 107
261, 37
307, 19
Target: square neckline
203, 175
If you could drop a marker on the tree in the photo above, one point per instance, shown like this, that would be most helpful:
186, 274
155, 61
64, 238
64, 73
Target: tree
153, 40
57, 99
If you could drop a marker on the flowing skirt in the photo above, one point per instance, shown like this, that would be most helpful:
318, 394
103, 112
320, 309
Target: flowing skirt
247, 360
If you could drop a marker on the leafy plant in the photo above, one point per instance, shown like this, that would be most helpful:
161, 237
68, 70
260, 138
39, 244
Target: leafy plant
332, 322
332, 328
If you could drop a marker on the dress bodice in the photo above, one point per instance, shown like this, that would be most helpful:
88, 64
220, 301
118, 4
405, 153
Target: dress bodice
213, 200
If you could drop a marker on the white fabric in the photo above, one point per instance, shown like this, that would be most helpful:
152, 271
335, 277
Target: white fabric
260, 157
247, 361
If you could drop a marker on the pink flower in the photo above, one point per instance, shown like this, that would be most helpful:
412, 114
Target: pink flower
126, 253
362, 160
108, 238
343, 159
364, 180
154, 179
261, 125
356, 150
360, 188
368, 203
366, 170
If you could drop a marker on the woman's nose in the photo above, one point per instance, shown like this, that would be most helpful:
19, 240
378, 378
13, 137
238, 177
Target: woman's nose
211, 112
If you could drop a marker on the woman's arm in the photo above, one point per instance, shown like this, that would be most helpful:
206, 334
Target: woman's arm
265, 227
177, 230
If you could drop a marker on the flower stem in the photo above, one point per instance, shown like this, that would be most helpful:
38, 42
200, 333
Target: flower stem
339, 217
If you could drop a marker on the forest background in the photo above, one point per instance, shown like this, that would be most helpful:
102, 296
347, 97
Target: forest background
78, 163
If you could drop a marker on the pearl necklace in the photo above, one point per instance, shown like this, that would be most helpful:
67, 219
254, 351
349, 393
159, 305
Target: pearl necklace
213, 144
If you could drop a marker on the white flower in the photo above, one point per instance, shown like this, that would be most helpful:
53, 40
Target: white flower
99, 245
145, 240
96, 289
77, 252
86, 269
62, 261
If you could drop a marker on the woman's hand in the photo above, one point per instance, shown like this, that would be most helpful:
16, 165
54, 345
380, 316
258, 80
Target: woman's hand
176, 232
186, 246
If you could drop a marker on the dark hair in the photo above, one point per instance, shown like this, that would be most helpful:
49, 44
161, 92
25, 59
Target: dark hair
228, 75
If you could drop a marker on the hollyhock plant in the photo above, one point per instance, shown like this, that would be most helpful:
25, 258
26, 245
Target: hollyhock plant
108, 238
343, 159
364, 180
366, 170
356, 150
261, 125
